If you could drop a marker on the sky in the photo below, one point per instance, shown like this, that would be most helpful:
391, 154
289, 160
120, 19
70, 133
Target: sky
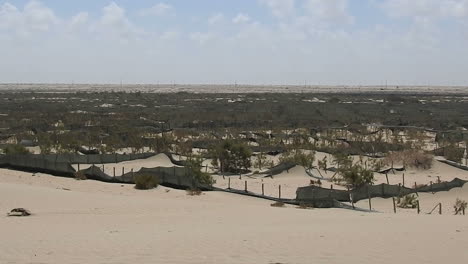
314, 42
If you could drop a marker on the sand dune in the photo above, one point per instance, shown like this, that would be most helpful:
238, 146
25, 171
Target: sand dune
160, 160
94, 222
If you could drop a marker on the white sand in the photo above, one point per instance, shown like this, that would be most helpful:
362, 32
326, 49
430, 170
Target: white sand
95, 222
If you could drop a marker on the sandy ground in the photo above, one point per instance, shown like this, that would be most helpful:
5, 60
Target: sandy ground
94, 222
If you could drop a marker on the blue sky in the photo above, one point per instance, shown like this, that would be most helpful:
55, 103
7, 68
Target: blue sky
402, 42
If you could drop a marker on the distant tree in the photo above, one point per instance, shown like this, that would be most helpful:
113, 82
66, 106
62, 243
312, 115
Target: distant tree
231, 156
195, 166
454, 153
260, 160
45, 143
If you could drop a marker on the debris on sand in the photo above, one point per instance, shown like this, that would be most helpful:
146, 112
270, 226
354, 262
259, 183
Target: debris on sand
19, 212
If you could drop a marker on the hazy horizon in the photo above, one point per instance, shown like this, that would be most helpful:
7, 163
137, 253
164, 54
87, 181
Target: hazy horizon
260, 42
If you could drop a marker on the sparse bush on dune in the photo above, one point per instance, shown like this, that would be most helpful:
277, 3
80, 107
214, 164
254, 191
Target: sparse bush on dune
453, 153
80, 176
410, 159
303, 205
145, 182
278, 204
194, 192
460, 206
408, 202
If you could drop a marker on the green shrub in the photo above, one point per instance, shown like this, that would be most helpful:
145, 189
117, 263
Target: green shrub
145, 182
194, 164
356, 175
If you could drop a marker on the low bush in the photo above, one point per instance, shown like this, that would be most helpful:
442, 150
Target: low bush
411, 159
80, 176
194, 192
278, 204
145, 182
303, 205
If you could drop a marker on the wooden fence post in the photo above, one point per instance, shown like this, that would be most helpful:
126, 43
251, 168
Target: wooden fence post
263, 189
133, 175
440, 208
78, 167
419, 208
279, 192
351, 198
114, 172
403, 180
370, 200
229, 183
246, 186
123, 171
386, 176
394, 205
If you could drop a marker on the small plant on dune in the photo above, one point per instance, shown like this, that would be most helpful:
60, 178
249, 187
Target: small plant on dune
194, 192
409, 201
460, 206
322, 164
16, 150
303, 205
278, 204
316, 183
80, 176
145, 182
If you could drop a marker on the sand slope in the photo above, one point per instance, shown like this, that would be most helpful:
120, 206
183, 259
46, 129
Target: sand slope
95, 222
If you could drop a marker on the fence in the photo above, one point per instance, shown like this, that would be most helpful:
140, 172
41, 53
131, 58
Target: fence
311, 193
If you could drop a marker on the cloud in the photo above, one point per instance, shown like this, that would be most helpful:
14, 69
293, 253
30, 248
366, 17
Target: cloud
79, 20
201, 37
426, 9
329, 11
35, 17
216, 18
241, 18
169, 35
159, 9
114, 21
280, 8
